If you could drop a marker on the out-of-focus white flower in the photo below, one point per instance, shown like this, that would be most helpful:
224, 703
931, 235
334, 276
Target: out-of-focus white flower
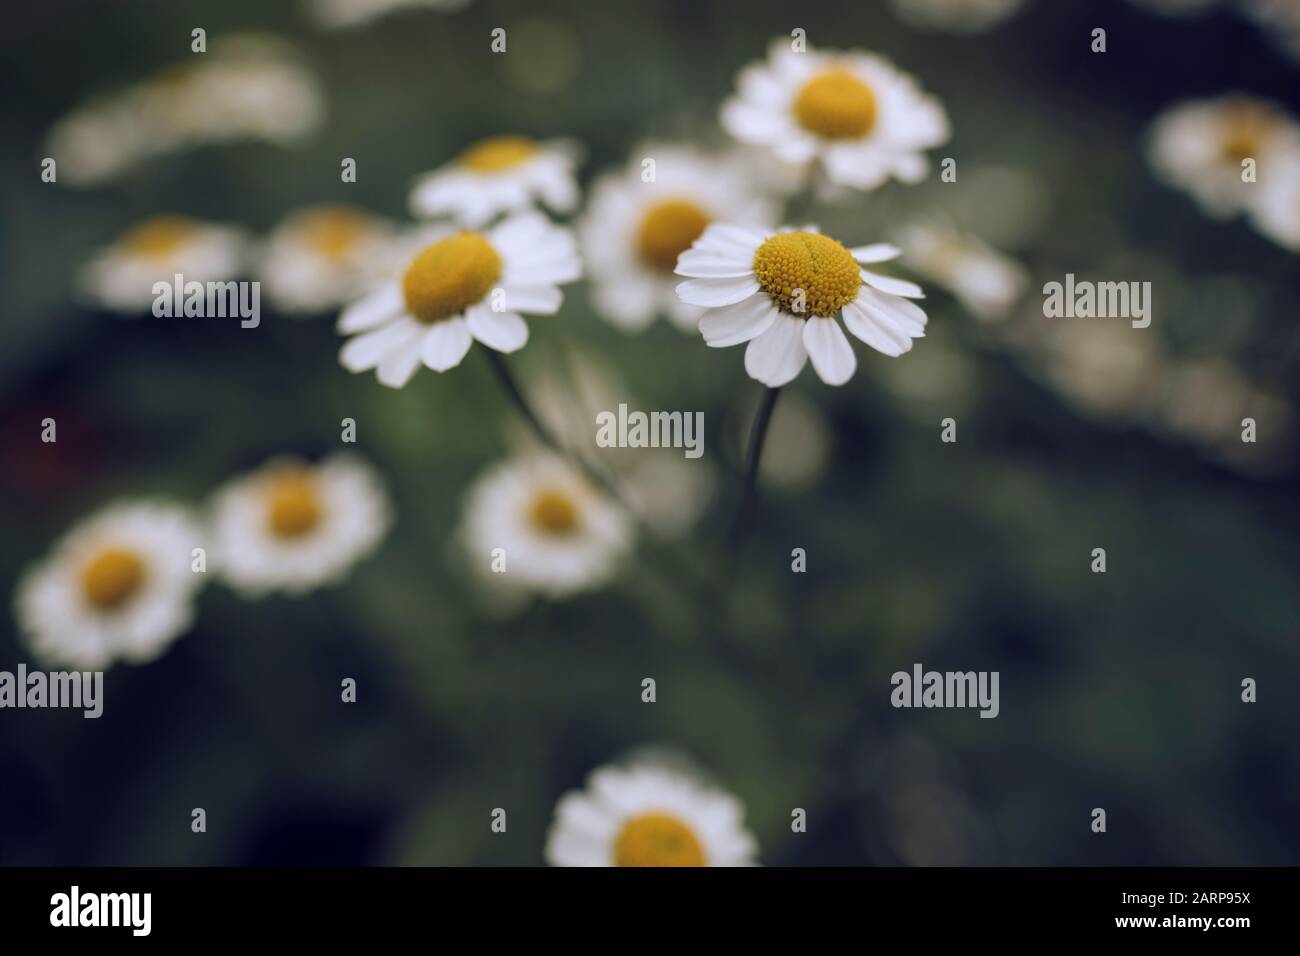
121, 276
1200, 147
982, 279
865, 120
501, 174
782, 292
1281, 19
461, 288
634, 230
350, 13
648, 814
293, 527
119, 586
1106, 370
955, 16
323, 257
1276, 209
558, 536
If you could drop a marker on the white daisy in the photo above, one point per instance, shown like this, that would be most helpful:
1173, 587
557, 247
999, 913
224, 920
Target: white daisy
501, 174
781, 292
1276, 210
558, 535
119, 585
323, 257
291, 526
634, 230
649, 815
1199, 147
462, 287
864, 119
121, 276
955, 16
349, 13
984, 280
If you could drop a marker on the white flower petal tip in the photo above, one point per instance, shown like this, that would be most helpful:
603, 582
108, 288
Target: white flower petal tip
717, 292
877, 252
829, 350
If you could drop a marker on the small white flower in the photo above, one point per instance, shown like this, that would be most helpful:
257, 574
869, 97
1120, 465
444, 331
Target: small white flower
349, 13
984, 280
119, 585
293, 527
463, 287
501, 174
649, 815
863, 118
782, 292
955, 16
121, 276
634, 230
1276, 211
559, 535
1200, 147
323, 257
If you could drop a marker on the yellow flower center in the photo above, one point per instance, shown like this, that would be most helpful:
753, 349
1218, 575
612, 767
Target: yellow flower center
158, 237
807, 273
1246, 132
449, 276
333, 231
111, 578
657, 839
293, 506
667, 230
554, 513
836, 105
498, 153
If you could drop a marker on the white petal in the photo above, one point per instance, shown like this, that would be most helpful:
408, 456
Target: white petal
368, 349
707, 264
503, 331
733, 324
400, 364
778, 355
715, 292
533, 299
877, 252
832, 356
446, 344
893, 286
372, 310
880, 335
903, 314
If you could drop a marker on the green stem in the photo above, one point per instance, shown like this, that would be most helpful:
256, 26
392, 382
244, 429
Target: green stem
757, 438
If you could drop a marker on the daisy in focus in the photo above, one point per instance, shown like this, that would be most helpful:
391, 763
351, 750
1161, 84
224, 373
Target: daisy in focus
350, 13
558, 536
293, 527
118, 586
649, 815
501, 174
783, 292
634, 230
120, 277
324, 257
865, 120
462, 287
985, 281
1202, 147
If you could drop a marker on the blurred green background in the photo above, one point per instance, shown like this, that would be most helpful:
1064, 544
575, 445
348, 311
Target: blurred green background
1119, 690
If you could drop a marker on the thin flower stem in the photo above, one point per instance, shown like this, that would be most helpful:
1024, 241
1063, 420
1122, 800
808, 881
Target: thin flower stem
757, 438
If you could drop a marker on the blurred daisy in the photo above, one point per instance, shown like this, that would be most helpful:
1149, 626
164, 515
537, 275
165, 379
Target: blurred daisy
502, 174
349, 13
649, 815
120, 277
323, 257
559, 535
463, 287
1280, 19
955, 16
634, 230
119, 585
293, 527
1276, 211
984, 281
863, 118
782, 292
1199, 147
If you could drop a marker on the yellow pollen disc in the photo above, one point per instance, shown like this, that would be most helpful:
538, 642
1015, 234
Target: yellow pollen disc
333, 231
158, 237
667, 230
1246, 132
293, 505
497, 153
554, 513
111, 578
817, 266
449, 276
836, 105
657, 839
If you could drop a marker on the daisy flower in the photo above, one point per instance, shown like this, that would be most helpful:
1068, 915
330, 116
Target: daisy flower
119, 585
349, 13
1199, 147
955, 16
461, 287
649, 815
1276, 213
782, 292
121, 276
560, 536
293, 527
634, 230
501, 174
324, 257
986, 282
864, 119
